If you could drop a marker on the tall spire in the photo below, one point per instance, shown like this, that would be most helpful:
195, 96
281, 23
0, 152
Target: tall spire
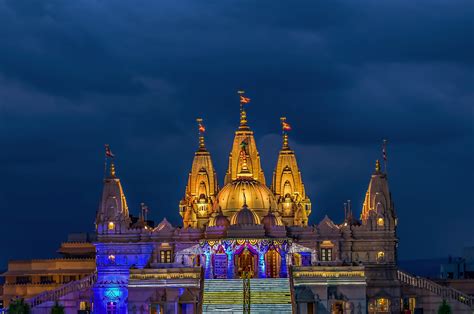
196, 205
113, 214
378, 199
252, 159
287, 183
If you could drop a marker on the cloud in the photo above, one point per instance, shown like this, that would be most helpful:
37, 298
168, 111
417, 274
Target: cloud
77, 74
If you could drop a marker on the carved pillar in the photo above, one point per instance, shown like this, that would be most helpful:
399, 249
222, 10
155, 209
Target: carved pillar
261, 264
208, 273
230, 264
283, 267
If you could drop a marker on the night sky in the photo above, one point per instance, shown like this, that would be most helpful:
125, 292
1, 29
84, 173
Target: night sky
75, 75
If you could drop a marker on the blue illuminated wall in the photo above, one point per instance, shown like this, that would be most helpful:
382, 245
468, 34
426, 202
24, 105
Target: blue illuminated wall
114, 261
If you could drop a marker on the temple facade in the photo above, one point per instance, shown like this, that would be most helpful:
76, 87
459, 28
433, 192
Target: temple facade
246, 229
248, 247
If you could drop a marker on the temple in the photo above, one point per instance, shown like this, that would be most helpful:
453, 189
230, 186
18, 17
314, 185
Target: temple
247, 247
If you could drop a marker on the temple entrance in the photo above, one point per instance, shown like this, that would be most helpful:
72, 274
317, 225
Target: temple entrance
220, 265
273, 260
245, 263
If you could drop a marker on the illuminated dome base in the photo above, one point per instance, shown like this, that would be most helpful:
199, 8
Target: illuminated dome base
258, 197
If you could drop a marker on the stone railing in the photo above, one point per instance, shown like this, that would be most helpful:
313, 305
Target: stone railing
56, 294
444, 292
166, 273
328, 272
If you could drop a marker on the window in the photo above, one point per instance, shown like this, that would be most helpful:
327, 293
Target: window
380, 257
46, 279
411, 304
326, 254
23, 279
381, 305
380, 222
111, 226
112, 308
165, 256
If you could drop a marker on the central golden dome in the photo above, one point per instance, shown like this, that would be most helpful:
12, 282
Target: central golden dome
258, 197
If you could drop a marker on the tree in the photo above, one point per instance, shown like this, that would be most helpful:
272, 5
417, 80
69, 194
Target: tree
444, 308
57, 308
18, 306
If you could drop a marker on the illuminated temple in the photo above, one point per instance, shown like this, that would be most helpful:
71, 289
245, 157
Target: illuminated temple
247, 229
246, 247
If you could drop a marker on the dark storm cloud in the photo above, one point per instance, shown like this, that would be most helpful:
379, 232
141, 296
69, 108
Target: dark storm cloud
77, 74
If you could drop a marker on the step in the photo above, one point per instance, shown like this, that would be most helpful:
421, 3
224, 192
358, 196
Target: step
271, 295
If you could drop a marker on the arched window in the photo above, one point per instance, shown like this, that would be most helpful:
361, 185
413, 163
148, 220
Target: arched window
112, 308
111, 225
287, 190
380, 257
111, 258
380, 222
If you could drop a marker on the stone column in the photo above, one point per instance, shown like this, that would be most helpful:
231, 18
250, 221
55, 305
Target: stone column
283, 266
208, 273
261, 264
230, 265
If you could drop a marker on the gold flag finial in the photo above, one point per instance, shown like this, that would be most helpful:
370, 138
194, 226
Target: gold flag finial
285, 127
112, 169
377, 166
201, 130
243, 115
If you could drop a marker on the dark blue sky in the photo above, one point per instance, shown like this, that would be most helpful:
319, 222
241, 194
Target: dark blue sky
77, 74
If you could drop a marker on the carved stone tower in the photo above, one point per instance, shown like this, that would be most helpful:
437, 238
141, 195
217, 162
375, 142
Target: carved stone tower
287, 185
112, 216
202, 187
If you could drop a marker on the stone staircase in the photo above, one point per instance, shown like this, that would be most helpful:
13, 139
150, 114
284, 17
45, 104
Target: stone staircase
270, 295
447, 293
56, 294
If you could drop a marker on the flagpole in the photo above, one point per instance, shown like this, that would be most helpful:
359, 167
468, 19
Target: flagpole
105, 166
384, 151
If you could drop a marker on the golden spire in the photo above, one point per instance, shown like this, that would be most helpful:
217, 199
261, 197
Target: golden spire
201, 130
377, 166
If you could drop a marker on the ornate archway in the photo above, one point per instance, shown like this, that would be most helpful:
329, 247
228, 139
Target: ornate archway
273, 261
246, 263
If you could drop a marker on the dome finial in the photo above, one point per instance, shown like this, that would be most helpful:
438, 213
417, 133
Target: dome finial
285, 127
201, 130
112, 169
243, 114
109, 156
377, 166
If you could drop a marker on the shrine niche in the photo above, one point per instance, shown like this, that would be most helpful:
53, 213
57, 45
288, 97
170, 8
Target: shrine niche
246, 263
273, 261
